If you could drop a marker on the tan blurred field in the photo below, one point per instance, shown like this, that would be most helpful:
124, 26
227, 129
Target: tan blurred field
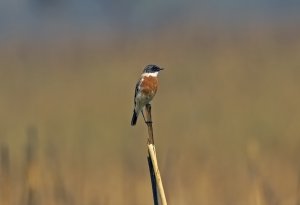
226, 119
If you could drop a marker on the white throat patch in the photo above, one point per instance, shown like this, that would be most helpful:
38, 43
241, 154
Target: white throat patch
150, 74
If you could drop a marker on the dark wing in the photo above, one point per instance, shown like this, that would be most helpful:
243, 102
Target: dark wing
136, 89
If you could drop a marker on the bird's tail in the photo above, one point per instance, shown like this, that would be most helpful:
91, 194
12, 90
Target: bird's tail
134, 118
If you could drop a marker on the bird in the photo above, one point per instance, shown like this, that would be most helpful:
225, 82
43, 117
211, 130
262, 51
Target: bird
145, 90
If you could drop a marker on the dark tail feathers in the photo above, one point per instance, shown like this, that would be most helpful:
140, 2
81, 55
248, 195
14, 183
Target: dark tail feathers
134, 118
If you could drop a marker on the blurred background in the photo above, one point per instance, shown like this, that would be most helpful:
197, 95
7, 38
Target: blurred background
226, 116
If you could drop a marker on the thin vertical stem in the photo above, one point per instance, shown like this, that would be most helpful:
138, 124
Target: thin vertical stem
152, 162
153, 180
5, 178
149, 124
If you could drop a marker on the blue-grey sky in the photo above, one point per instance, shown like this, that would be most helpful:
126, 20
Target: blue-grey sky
22, 18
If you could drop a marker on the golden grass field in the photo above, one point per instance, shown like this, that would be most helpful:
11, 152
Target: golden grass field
226, 119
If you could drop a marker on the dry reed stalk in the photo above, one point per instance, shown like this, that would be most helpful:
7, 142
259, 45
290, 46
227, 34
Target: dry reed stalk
5, 178
153, 179
298, 191
153, 165
31, 182
262, 190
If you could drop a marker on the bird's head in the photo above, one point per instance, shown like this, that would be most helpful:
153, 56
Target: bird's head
152, 70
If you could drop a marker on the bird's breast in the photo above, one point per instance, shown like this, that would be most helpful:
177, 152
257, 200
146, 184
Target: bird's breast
149, 85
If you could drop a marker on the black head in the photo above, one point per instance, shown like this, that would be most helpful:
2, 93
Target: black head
152, 69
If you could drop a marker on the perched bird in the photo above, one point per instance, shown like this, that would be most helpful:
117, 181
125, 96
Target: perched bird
145, 90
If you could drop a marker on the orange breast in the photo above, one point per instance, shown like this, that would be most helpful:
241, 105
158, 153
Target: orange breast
149, 85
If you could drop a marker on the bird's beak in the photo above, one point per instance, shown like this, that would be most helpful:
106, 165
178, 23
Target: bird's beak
162, 68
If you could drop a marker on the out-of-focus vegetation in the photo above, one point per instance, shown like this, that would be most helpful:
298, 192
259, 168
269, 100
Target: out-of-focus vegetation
226, 116
226, 120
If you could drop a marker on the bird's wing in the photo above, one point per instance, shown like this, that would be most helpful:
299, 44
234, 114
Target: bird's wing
136, 89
